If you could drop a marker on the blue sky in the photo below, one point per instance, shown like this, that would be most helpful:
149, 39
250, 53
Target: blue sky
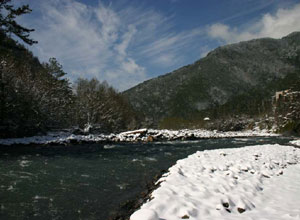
126, 42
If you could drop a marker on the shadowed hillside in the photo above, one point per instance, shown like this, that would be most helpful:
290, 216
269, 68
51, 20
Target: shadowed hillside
236, 79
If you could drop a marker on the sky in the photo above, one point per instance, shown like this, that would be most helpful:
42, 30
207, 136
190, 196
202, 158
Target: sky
126, 42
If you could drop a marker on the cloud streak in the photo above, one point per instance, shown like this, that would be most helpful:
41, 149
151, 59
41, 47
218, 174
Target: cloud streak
106, 42
90, 42
125, 44
280, 24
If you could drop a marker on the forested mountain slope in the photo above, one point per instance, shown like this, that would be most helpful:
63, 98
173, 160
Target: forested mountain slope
233, 79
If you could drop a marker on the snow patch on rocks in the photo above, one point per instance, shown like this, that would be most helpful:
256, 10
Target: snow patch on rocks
141, 135
255, 182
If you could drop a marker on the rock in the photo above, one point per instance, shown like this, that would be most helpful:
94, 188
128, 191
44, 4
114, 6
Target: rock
245, 169
241, 210
265, 175
223, 154
225, 204
228, 210
140, 131
144, 214
150, 138
280, 172
77, 131
185, 217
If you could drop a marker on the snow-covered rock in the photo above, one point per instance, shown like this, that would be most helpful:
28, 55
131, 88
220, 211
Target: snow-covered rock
143, 135
295, 142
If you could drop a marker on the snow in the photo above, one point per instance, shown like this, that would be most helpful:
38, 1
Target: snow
145, 214
139, 131
295, 142
143, 135
254, 182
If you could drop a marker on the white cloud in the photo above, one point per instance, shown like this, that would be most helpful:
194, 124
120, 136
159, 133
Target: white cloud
88, 41
204, 51
110, 23
171, 48
126, 39
280, 24
134, 74
166, 59
112, 44
106, 42
124, 44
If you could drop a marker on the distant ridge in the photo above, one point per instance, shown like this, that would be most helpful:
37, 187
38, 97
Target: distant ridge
238, 78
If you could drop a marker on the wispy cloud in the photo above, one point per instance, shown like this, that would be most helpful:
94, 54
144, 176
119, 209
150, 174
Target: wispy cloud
204, 50
276, 25
124, 43
106, 42
90, 42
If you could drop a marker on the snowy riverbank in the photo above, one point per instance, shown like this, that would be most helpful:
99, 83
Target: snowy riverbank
255, 182
142, 135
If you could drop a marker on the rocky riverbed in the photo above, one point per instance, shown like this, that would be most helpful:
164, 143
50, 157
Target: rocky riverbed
141, 135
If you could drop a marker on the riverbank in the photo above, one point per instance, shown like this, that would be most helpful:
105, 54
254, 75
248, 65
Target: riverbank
142, 135
218, 184
295, 142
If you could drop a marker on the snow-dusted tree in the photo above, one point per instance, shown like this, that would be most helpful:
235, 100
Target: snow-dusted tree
34, 97
100, 105
58, 96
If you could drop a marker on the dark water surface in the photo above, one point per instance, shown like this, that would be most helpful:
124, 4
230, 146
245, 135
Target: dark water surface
89, 181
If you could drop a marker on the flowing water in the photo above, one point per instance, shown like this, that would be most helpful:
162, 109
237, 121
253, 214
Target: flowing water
89, 181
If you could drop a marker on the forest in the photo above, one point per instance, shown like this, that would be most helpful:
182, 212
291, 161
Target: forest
36, 97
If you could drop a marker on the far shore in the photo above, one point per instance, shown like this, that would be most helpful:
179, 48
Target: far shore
141, 135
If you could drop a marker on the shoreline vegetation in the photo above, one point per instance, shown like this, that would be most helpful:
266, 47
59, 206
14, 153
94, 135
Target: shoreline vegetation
141, 135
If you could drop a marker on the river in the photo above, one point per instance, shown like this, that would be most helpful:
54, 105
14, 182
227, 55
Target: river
89, 181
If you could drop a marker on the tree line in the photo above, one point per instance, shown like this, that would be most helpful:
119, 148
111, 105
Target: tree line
37, 97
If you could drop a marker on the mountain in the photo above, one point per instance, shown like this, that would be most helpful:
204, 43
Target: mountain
233, 79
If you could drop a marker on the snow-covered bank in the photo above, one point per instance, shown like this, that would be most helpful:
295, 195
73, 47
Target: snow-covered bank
142, 135
255, 182
295, 142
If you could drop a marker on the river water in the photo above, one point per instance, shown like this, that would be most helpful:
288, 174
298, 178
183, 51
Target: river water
89, 181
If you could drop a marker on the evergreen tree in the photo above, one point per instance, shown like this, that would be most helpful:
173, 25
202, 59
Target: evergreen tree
8, 25
54, 68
